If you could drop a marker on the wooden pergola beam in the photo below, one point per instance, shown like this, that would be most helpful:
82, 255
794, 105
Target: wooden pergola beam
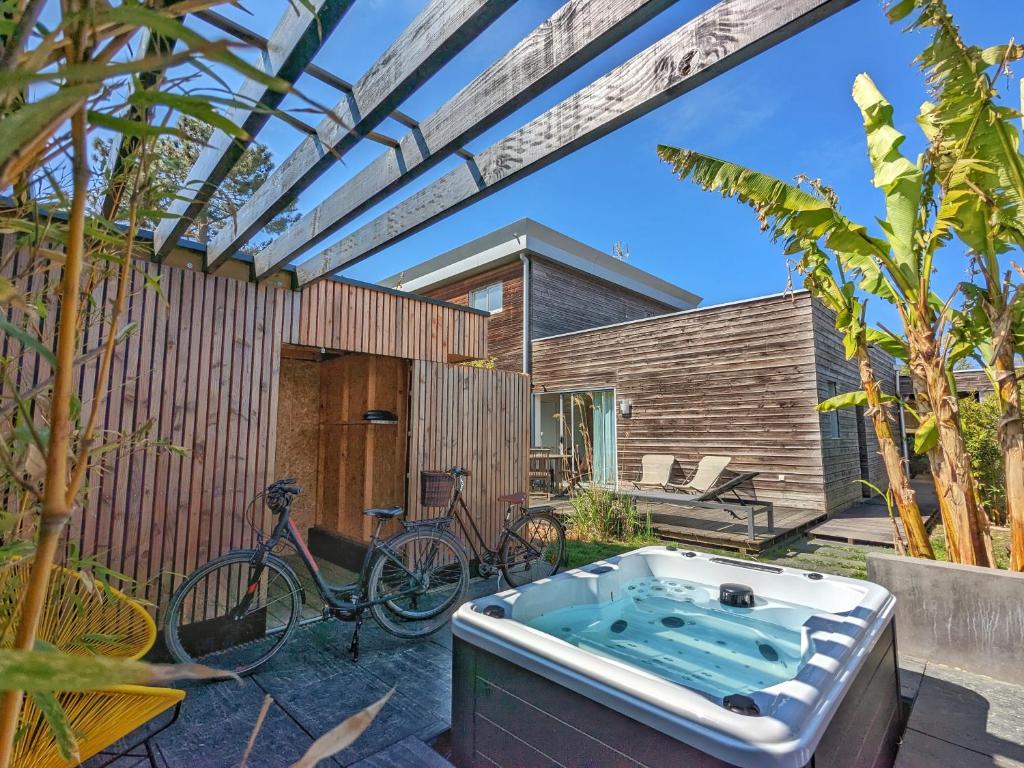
439, 32
572, 36
245, 35
717, 40
299, 34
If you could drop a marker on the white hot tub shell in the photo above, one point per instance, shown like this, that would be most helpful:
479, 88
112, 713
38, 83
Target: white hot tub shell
525, 697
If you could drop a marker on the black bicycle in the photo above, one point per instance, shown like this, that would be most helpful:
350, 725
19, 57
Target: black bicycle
531, 545
238, 610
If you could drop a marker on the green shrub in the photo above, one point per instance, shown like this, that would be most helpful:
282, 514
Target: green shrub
979, 421
601, 515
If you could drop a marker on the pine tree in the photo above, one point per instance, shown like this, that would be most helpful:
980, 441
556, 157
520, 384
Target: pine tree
174, 157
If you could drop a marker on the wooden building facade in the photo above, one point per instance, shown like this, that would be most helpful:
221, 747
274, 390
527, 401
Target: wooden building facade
739, 379
537, 282
226, 385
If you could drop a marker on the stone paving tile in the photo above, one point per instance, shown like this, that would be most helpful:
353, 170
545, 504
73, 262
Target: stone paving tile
407, 753
315, 686
922, 751
954, 711
911, 673
215, 725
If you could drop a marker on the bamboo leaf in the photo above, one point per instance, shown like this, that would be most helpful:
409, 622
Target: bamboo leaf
28, 340
57, 721
45, 671
341, 736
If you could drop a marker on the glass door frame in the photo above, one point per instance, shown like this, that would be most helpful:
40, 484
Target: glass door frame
535, 416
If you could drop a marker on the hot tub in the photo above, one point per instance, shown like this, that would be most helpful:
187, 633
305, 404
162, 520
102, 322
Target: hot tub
666, 657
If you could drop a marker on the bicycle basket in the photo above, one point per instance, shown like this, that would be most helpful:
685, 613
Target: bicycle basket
435, 489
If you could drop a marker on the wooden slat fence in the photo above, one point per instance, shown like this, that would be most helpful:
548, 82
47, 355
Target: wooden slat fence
472, 417
197, 386
199, 373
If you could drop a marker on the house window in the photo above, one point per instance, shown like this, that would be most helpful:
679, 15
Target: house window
487, 298
833, 415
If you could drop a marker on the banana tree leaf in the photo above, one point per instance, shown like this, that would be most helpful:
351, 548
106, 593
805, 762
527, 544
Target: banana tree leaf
927, 435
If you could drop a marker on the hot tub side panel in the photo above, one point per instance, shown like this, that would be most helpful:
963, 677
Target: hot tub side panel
865, 731
504, 715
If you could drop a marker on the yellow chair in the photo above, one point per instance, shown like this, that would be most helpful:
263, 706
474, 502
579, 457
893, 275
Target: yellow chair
81, 618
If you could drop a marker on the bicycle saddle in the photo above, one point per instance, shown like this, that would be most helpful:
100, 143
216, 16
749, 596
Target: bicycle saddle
385, 513
513, 498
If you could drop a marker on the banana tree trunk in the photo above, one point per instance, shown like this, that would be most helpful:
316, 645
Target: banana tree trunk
946, 513
954, 477
1011, 438
899, 482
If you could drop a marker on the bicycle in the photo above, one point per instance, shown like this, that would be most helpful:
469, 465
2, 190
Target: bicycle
530, 546
239, 609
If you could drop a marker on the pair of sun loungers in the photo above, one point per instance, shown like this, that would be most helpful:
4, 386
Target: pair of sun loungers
705, 487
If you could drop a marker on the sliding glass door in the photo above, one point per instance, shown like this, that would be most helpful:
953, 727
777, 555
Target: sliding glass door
581, 426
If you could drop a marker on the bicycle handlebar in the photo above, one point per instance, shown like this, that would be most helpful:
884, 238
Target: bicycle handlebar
279, 494
459, 472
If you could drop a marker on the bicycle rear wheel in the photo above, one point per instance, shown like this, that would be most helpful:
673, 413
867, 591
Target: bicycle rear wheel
533, 549
233, 614
419, 578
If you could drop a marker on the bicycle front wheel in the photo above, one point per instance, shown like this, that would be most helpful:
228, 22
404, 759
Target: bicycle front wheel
533, 549
234, 613
417, 581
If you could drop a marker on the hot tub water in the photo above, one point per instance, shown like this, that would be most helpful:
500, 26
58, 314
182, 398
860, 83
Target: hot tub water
678, 631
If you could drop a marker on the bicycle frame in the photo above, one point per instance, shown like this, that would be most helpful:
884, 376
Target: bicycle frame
483, 549
348, 598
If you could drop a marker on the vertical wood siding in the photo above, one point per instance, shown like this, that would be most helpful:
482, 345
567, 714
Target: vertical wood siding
201, 372
474, 418
357, 318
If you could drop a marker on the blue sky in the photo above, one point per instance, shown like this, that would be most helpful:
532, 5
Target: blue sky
785, 112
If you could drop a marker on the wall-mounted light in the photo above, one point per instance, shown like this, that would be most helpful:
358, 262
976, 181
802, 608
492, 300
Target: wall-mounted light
626, 407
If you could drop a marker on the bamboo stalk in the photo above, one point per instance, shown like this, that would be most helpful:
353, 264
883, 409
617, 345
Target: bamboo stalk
56, 510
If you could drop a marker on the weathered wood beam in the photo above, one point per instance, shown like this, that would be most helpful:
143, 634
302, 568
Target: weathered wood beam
439, 32
572, 36
299, 34
718, 39
224, 24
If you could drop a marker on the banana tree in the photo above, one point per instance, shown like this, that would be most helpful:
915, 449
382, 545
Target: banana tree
976, 147
897, 268
808, 224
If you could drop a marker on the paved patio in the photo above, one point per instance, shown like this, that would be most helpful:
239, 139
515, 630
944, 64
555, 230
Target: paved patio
960, 719
315, 686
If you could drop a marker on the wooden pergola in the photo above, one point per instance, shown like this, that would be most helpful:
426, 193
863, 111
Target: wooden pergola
706, 45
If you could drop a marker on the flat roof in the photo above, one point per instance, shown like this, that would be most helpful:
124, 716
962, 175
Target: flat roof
528, 236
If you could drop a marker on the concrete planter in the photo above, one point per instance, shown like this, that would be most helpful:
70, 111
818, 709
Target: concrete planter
958, 615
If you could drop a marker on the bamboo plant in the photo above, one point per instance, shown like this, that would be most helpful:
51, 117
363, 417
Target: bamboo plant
57, 86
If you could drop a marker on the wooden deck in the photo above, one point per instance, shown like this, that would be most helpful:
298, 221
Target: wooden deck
868, 522
713, 527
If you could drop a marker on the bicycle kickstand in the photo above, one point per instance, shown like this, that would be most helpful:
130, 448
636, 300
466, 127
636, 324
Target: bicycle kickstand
354, 646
